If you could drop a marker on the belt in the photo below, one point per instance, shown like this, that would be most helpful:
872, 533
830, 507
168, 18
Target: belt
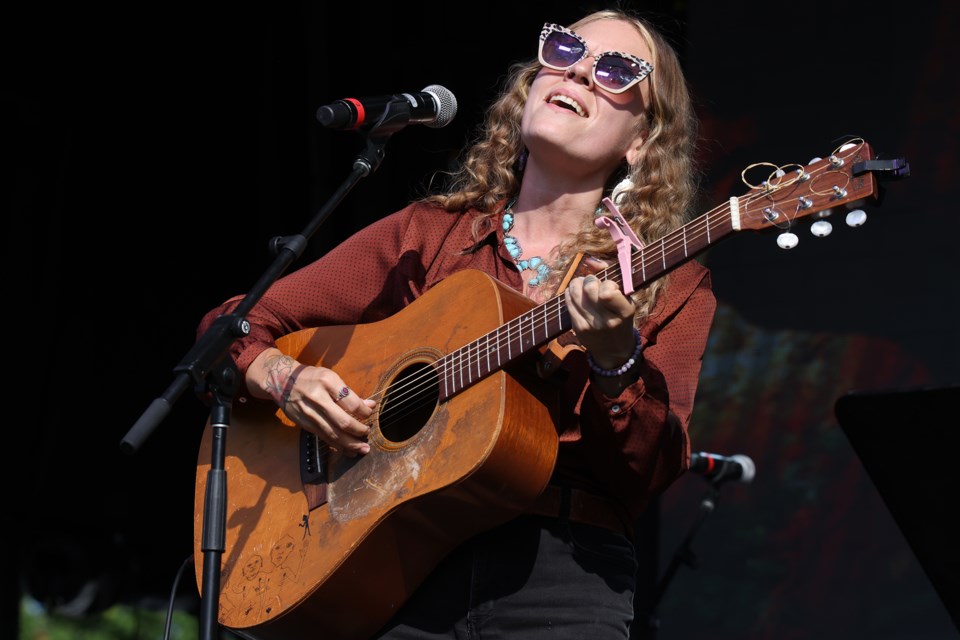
580, 507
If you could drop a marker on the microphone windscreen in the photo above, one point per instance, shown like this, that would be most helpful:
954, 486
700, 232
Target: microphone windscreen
749, 469
447, 105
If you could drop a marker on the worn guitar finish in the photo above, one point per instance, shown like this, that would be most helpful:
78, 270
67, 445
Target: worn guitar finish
319, 545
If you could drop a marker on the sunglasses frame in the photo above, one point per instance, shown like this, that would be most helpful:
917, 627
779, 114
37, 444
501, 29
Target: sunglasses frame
644, 67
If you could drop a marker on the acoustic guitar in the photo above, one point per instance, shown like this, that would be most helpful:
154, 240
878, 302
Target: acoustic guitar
320, 545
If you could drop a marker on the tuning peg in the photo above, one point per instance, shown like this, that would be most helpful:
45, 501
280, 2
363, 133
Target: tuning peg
821, 228
787, 240
815, 159
856, 217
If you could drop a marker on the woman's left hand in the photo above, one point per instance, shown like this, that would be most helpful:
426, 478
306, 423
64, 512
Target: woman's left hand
602, 317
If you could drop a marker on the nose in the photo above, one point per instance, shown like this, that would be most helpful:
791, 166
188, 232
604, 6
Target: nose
582, 72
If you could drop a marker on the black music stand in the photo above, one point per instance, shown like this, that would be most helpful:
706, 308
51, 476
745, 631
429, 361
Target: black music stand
908, 442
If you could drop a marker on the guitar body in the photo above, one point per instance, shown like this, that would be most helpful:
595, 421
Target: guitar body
338, 556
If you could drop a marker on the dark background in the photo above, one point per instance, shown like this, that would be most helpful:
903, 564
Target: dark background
155, 150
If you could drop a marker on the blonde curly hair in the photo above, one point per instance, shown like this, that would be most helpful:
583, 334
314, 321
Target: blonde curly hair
664, 176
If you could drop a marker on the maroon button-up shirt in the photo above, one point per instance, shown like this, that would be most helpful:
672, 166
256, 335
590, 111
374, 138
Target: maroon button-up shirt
629, 448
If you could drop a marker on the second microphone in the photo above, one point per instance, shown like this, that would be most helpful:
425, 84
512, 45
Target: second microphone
717, 468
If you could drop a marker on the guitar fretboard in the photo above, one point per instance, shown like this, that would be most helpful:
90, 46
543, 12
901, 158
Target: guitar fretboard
491, 352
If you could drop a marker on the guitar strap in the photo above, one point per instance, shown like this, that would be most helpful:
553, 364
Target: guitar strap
553, 354
624, 237
576, 268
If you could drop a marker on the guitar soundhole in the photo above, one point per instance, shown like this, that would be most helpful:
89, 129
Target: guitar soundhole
409, 402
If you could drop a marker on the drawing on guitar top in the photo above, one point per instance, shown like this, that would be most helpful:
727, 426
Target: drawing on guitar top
461, 439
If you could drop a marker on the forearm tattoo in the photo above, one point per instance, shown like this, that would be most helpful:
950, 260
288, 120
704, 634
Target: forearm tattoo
282, 373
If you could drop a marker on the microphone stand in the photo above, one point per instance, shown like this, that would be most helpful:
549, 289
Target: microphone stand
212, 373
684, 553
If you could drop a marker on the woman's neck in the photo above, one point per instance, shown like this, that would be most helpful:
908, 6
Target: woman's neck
547, 206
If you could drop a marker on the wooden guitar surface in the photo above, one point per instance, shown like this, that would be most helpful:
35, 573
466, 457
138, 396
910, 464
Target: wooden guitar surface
341, 568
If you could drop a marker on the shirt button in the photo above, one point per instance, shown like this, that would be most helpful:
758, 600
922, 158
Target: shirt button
615, 409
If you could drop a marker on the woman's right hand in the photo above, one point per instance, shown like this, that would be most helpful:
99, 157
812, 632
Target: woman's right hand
315, 398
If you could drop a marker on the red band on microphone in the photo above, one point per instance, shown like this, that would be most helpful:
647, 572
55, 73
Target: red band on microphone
361, 114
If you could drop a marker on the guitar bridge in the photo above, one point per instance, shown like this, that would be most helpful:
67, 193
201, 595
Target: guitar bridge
314, 469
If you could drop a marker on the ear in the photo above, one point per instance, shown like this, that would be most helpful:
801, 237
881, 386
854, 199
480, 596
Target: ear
633, 151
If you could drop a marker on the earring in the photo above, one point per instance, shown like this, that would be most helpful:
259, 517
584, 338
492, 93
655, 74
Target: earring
618, 191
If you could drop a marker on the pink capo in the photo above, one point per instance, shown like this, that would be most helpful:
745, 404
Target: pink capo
624, 236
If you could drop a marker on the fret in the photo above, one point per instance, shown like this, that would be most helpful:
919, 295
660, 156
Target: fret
444, 378
471, 360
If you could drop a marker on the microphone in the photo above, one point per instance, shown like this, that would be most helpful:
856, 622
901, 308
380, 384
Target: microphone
717, 468
434, 106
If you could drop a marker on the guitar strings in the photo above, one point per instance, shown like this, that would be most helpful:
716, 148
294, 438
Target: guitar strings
676, 239
414, 392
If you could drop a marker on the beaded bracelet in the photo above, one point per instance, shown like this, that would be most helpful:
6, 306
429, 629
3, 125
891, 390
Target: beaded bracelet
622, 369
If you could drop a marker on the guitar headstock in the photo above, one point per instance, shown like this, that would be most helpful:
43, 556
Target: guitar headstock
792, 192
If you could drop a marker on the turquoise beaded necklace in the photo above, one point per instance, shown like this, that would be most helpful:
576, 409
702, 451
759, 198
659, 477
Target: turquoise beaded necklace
535, 263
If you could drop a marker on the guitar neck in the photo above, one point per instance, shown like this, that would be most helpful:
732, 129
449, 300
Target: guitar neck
528, 331
678, 246
790, 193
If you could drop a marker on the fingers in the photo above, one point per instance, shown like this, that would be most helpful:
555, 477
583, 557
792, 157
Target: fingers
596, 304
601, 316
349, 402
321, 403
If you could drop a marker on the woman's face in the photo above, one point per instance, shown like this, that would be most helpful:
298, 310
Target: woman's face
570, 123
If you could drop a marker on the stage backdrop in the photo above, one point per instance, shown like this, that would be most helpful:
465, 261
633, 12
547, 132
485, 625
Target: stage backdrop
157, 150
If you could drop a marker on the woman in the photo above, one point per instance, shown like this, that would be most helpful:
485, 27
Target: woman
604, 105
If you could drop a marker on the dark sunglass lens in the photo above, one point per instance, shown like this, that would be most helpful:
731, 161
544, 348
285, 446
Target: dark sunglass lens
562, 50
616, 72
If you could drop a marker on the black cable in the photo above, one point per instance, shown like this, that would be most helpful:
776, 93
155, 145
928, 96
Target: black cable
173, 593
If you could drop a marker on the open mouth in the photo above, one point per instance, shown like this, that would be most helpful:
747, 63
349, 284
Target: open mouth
567, 103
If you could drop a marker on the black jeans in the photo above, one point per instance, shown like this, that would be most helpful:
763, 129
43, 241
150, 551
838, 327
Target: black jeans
530, 578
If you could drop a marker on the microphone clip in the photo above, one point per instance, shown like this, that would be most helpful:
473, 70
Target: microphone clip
396, 116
